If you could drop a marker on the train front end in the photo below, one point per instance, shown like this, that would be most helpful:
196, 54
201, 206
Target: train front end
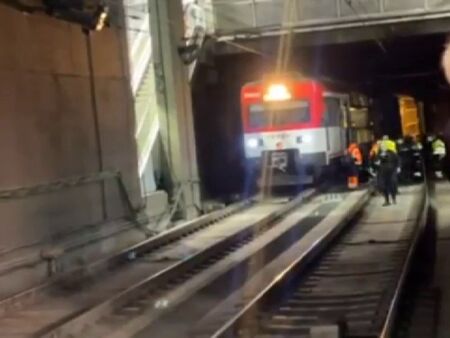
283, 139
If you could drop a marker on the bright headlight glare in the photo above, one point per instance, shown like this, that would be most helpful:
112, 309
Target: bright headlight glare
307, 138
277, 92
252, 143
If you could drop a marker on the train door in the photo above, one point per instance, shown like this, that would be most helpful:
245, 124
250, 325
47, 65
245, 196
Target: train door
344, 132
326, 125
333, 104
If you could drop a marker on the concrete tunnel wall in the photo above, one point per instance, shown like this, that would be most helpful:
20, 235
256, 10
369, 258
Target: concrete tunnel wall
47, 124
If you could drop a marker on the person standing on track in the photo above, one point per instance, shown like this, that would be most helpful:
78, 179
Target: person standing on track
439, 151
389, 144
356, 161
387, 174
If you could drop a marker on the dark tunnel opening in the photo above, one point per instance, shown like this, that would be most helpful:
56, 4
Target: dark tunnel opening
381, 69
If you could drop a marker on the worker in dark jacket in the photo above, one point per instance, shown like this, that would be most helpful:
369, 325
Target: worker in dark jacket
387, 174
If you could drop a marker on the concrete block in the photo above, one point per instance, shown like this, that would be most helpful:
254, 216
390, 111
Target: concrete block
156, 203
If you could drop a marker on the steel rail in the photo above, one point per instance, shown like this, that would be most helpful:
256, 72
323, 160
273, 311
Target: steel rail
165, 238
419, 230
232, 328
227, 330
77, 321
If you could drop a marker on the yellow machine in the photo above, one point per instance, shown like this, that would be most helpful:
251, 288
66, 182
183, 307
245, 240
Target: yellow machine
409, 114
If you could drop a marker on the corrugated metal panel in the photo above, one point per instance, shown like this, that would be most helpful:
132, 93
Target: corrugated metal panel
317, 9
234, 15
231, 16
396, 5
269, 13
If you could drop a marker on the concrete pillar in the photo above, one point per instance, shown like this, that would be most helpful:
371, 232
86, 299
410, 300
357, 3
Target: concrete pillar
174, 102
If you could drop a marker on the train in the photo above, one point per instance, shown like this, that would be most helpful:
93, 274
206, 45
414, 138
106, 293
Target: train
294, 129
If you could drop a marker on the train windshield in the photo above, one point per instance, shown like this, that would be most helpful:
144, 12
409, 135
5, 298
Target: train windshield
279, 114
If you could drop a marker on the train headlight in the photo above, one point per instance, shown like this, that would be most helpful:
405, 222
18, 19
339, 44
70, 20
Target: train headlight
252, 143
277, 92
307, 139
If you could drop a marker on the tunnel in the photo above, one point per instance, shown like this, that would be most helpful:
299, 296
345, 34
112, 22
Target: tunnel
128, 143
381, 68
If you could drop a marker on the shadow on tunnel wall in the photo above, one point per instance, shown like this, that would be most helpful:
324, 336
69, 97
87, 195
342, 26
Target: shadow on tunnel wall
218, 128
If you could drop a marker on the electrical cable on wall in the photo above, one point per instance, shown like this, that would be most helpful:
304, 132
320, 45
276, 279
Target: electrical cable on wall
97, 130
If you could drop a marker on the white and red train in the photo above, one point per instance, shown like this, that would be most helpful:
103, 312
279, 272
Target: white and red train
293, 128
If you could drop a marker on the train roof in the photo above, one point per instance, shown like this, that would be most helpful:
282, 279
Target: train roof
299, 79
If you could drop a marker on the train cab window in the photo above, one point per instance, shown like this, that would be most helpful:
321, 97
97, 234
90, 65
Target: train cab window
333, 112
279, 114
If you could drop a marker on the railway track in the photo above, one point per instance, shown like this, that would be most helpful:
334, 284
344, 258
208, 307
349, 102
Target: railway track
194, 298
163, 241
127, 313
352, 288
60, 306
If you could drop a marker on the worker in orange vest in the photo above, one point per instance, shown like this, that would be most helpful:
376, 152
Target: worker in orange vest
356, 161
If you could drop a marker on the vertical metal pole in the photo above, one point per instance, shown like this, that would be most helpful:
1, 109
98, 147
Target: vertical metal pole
95, 116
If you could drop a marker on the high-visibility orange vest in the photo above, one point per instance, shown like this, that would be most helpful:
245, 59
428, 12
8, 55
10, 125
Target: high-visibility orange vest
353, 182
355, 152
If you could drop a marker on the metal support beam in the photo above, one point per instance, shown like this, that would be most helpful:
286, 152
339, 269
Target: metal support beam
174, 102
335, 34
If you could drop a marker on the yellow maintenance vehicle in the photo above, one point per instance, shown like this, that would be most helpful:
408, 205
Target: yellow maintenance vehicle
409, 110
